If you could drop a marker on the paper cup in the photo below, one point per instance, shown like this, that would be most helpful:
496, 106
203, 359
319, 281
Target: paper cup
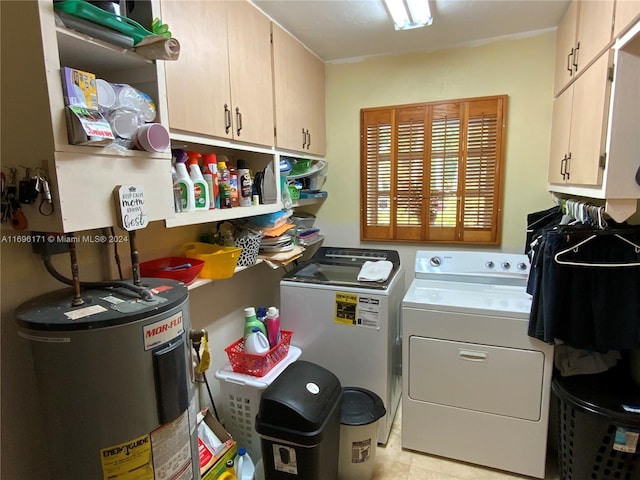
153, 137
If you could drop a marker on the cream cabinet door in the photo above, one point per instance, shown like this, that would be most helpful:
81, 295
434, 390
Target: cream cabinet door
565, 44
589, 123
626, 12
250, 73
299, 86
595, 27
198, 85
560, 132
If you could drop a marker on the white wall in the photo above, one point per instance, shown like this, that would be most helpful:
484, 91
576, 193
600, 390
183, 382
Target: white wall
521, 68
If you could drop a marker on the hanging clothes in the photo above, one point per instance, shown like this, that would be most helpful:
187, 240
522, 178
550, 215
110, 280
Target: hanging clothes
585, 285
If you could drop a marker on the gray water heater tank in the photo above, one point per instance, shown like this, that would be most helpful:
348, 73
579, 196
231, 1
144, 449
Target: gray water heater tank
115, 382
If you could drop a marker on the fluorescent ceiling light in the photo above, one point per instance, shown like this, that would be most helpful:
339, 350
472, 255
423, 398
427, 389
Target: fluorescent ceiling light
409, 14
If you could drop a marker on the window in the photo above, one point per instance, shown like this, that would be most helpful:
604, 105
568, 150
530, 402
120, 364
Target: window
431, 172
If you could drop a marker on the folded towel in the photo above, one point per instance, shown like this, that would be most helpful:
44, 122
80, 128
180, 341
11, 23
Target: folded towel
375, 271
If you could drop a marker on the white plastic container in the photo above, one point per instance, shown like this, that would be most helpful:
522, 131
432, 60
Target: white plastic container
241, 401
245, 469
256, 342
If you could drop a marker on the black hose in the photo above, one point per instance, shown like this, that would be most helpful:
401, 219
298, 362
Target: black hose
142, 292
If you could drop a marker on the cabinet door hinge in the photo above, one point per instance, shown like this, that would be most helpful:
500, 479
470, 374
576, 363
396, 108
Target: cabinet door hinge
610, 76
603, 160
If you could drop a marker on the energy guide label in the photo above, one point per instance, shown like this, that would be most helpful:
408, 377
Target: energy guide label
359, 311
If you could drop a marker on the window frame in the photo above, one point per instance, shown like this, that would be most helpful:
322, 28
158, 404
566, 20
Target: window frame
397, 155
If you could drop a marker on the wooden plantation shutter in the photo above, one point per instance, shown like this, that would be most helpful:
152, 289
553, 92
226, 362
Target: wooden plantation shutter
432, 171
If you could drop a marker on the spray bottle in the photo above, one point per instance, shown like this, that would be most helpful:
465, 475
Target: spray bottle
200, 188
184, 182
210, 175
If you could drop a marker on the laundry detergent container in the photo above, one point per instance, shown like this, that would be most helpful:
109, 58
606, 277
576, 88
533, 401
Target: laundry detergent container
299, 424
361, 410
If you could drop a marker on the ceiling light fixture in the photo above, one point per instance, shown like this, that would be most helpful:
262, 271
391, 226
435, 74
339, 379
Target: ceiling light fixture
408, 14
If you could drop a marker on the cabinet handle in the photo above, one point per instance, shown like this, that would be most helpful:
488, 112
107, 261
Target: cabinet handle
304, 139
563, 165
569, 63
575, 57
238, 121
227, 118
566, 169
308, 139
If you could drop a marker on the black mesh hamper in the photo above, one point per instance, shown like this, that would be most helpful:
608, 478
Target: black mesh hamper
597, 427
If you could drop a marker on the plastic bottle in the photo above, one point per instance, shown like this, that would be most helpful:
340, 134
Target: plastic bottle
245, 469
251, 321
233, 182
225, 185
261, 314
184, 182
273, 326
244, 184
200, 188
256, 342
211, 177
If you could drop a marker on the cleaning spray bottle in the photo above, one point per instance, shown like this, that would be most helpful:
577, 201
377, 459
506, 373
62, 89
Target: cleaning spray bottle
225, 184
273, 326
210, 166
200, 189
184, 182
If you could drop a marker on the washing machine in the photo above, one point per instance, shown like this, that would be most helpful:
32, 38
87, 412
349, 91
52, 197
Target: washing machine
349, 326
476, 387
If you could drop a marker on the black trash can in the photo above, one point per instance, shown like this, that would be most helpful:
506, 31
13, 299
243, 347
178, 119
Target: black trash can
299, 424
598, 427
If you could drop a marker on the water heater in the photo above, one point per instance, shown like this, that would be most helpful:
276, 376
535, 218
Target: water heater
115, 382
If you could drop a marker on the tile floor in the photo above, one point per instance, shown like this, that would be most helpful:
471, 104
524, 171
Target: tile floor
394, 463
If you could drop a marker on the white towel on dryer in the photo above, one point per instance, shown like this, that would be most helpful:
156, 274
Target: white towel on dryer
377, 271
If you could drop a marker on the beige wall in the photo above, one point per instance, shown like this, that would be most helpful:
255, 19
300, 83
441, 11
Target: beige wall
521, 68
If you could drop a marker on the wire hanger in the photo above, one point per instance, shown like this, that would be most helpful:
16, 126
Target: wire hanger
575, 248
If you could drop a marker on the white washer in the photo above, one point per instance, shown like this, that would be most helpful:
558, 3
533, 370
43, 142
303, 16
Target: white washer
476, 387
350, 327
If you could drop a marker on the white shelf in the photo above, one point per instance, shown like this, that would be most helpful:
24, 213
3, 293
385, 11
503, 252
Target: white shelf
218, 215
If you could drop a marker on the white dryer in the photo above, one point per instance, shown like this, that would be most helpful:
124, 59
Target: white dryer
476, 387
350, 327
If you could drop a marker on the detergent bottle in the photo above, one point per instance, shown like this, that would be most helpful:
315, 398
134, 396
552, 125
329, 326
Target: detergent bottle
210, 175
184, 182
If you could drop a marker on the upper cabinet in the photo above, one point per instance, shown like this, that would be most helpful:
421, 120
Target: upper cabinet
221, 86
299, 86
585, 31
579, 128
626, 12
34, 131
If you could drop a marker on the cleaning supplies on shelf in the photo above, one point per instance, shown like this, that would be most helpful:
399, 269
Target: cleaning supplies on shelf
200, 189
224, 181
245, 469
272, 323
184, 182
244, 184
210, 175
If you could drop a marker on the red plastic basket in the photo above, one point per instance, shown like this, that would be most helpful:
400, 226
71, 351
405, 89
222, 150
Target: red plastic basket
258, 365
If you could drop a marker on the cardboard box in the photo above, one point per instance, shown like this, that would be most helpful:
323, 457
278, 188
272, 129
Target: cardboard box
215, 461
79, 88
87, 127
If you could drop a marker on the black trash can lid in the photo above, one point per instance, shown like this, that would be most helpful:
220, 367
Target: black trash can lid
360, 407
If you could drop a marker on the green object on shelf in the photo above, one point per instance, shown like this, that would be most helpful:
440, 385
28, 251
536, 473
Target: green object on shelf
300, 166
124, 25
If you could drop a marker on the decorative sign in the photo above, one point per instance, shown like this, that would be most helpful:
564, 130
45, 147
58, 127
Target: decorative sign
130, 204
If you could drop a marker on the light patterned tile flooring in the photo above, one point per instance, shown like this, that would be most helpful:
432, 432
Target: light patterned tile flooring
394, 463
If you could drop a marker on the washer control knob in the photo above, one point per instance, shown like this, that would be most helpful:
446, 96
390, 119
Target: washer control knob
435, 261
522, 266
489, 265
505, 265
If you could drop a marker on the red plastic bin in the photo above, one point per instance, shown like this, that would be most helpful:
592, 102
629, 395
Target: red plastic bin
166, 268
258, 365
